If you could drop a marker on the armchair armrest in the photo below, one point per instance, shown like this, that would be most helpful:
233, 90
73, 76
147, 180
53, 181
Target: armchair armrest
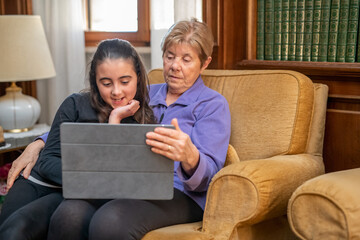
249, 192
327, 205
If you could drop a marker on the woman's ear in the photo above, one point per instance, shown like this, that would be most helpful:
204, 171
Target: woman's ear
206, 64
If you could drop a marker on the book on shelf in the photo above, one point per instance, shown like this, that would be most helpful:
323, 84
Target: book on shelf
352, 32
309, 9
342, 31
260, 38
300, 26
308, 30
333, 30
316, 31
269, 30
358, 49
292, 29
285, 30
277, 29
324, 30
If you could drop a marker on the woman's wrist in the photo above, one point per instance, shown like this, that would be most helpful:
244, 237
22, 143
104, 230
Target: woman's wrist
37, 145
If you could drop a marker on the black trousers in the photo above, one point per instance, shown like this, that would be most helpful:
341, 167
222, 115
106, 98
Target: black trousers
120, 218
27, 209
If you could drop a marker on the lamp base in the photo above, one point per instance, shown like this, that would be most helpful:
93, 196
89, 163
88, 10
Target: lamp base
19, 112
18, 130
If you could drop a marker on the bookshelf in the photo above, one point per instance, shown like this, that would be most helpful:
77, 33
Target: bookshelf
234, 24
308, 68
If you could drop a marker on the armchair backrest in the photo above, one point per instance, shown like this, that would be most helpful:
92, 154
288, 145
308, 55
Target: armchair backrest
271, 110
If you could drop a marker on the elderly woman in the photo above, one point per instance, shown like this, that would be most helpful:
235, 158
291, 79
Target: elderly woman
198, 145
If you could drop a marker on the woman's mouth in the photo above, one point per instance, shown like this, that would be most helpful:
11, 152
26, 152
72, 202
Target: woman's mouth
173, 77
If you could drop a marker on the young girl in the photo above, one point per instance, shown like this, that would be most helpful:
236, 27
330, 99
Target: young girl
118, 94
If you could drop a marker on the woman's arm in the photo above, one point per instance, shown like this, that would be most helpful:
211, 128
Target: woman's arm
201, 150
26, 160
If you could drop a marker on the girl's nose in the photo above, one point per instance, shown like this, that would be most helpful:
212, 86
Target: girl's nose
116, 90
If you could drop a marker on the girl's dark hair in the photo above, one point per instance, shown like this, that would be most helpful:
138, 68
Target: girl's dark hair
115, 49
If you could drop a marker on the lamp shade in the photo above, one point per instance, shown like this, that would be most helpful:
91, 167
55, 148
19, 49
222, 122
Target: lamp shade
24, 56
25, 53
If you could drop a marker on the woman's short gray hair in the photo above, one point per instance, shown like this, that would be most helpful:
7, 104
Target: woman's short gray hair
195, 33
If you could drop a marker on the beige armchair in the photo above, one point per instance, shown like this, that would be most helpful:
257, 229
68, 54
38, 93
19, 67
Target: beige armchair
327, 207
277, 129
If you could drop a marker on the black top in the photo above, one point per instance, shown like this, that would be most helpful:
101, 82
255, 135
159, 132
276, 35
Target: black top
75, 108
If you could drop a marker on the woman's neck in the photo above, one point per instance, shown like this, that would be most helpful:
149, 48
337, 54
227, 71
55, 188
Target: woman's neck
172, 97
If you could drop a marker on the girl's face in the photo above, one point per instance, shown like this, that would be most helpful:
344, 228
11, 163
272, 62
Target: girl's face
117, 81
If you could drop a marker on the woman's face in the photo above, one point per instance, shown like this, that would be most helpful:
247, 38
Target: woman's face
116, 81
182, 67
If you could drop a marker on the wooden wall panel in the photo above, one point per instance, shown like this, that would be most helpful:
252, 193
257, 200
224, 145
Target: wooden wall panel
227, 21
213, 15
341, 147
342, 130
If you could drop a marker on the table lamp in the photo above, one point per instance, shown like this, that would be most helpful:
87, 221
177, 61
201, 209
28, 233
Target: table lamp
24, 56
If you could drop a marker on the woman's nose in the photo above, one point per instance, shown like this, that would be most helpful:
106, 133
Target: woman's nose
175, 64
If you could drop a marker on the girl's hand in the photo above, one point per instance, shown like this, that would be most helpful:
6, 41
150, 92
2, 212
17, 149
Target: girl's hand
119, 113
176, 145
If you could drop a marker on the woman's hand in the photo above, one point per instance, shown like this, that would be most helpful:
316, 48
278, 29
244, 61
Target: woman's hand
25, 161
176, 145
119, 113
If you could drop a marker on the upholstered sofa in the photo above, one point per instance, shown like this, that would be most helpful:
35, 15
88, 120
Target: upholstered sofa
277, 131
327, 207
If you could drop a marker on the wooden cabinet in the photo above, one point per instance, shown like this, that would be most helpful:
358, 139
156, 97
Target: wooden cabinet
234, 26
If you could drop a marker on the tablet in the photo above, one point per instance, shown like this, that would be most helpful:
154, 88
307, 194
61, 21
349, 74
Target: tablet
107, 161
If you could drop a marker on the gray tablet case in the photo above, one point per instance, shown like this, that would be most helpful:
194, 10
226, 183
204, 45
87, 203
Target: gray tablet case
106, 161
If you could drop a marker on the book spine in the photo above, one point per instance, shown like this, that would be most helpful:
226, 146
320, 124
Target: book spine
316, 31
324, 30
358, 48
269, 30
277, 29
300, 26
333, 30
342, 32
309, 9
285, 30
292, 29
260, 38
351, 38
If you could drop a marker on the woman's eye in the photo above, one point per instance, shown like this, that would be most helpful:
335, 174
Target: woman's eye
125, 82
106, 84
187, 60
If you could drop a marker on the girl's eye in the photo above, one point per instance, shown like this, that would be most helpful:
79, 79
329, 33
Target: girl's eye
125, 82
106, 84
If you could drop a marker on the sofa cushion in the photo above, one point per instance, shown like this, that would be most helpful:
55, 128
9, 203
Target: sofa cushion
327, 207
